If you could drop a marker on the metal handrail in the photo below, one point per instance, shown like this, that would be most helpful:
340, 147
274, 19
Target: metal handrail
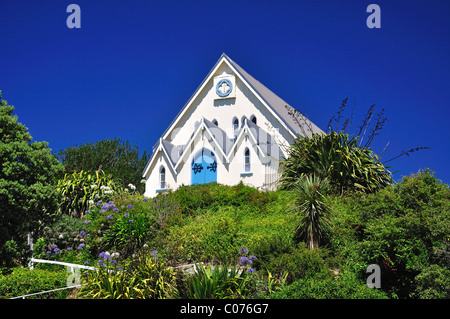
47, 291
44, 261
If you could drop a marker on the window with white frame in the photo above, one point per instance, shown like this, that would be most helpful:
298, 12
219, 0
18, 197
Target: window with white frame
162, 178
247, 167
235, 126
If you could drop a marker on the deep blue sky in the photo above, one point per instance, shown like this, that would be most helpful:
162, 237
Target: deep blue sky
134, 64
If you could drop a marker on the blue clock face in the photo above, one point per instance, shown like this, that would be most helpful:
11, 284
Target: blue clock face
224, 87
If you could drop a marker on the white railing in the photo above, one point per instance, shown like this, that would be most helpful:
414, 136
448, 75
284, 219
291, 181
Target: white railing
71, 266
74, 266
47, 291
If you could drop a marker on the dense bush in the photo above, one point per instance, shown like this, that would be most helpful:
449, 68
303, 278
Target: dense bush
147, 277
344, 287
404, 228
122, 226
23, 281
63, 240
294, 262
201, 196
80, 189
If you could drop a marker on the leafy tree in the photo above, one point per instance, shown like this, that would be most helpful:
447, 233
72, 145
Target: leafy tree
114, 156
28, 197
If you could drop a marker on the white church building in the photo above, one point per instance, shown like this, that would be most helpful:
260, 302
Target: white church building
232, 129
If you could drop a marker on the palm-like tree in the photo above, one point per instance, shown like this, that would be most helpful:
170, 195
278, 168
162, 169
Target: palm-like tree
314, 213
338, 157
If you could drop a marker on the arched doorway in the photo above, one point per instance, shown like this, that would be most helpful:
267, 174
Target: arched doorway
204, 167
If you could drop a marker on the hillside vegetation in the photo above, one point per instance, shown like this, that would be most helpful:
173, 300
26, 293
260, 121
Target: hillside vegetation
338, 227
403, 228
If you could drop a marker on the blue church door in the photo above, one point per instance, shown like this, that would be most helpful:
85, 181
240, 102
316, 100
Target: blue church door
204, 167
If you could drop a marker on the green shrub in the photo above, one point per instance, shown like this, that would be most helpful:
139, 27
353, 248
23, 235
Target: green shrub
23, 281
402, 228
61, 239
433, 283
146, 277
294, 261
122, 226
219, 282
80, 188
201, 196
345, 286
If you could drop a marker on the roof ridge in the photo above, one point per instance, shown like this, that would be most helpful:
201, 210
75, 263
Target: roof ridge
278, 105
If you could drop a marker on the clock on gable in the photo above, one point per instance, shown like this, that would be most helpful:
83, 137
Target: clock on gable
224, 86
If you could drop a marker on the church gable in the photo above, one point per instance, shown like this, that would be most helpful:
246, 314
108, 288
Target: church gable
225, 95
232, 129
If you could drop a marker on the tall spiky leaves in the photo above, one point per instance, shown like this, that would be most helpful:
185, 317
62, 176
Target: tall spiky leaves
314, 213
338, 158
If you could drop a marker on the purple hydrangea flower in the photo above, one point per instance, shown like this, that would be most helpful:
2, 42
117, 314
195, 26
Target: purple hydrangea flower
244, 261
104, 255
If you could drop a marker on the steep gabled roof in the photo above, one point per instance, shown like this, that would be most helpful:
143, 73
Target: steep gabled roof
273, 102
277, 104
